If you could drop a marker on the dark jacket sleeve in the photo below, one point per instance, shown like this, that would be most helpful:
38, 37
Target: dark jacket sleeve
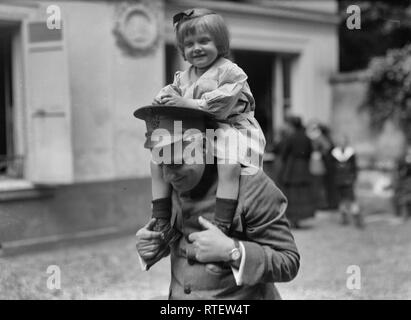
271, 254
354, 166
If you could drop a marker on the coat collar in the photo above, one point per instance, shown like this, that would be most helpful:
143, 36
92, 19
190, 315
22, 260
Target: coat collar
342, 155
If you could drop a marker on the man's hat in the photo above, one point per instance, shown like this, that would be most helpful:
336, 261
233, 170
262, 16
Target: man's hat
169, 124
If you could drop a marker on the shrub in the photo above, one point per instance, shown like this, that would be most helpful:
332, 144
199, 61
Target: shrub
389, 92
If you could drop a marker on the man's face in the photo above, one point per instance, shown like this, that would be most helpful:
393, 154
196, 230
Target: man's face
182, 176
200, 49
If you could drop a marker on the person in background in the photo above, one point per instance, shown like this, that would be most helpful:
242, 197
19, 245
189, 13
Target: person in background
403, 185
296, 178
345, 177
279, 142
321, 166
317, 166
327, 145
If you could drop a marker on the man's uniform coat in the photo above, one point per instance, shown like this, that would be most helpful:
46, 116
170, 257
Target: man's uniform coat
270, 251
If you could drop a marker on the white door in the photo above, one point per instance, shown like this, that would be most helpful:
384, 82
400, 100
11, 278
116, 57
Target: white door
49, 146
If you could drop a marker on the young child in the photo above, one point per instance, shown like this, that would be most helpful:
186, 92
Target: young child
219, 86
345, 177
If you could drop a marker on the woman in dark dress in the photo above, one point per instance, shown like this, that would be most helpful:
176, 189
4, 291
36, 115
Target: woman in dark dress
329, 177
279, 143
296, 178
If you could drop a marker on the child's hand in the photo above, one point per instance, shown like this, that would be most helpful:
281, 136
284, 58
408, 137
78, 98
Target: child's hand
173, 100
156, 101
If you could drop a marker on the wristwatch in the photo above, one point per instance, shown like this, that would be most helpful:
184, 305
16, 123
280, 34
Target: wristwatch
235, 254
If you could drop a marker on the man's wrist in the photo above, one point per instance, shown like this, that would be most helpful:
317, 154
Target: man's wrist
235, 254
226, 252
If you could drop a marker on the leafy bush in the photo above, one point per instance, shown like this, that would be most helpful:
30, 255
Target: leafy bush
389, 91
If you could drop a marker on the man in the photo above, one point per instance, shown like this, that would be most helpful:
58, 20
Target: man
205, 263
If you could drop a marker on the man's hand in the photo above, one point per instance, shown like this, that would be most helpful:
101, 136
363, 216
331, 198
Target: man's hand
211, 245
148, 242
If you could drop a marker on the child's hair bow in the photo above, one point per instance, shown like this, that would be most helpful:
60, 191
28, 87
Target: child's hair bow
190, 14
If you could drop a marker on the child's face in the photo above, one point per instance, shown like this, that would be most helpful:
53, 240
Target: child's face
342, 141
200, 49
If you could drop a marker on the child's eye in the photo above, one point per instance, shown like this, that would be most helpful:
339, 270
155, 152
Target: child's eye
205, 40
188, 44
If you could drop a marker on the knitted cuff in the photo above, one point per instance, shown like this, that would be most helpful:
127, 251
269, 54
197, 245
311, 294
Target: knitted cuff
162, 208
225, 210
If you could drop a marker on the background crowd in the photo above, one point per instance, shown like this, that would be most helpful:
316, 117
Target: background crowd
318, 171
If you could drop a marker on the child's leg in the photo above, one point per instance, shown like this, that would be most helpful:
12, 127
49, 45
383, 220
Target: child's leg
159, 188
356, 213
227, 194
161, 192
342, 208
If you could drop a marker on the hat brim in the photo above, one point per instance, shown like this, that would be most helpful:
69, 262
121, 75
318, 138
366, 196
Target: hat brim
172, 111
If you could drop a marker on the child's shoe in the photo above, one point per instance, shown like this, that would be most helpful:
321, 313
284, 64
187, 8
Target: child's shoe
169, 236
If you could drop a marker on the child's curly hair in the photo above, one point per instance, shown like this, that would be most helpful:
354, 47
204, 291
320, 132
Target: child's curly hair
204, 20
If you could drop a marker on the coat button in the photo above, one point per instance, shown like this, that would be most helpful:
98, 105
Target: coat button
187, 289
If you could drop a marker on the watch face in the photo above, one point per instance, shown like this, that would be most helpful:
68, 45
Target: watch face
235, 254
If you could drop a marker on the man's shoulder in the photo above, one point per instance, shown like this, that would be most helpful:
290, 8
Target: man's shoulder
259, 196
259, 183
259, 175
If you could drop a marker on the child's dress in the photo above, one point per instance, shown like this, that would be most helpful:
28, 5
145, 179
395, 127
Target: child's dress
223, 91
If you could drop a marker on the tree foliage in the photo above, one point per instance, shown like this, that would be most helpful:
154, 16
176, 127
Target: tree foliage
389, 91
384, 25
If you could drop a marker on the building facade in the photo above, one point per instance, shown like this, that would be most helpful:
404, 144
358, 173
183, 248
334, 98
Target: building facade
71, 154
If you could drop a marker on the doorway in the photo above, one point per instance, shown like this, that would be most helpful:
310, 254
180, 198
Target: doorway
259, 68
6, 98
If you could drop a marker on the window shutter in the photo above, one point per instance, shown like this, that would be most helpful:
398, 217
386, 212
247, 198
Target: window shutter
49, 157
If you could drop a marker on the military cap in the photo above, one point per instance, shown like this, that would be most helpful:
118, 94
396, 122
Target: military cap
169, 124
